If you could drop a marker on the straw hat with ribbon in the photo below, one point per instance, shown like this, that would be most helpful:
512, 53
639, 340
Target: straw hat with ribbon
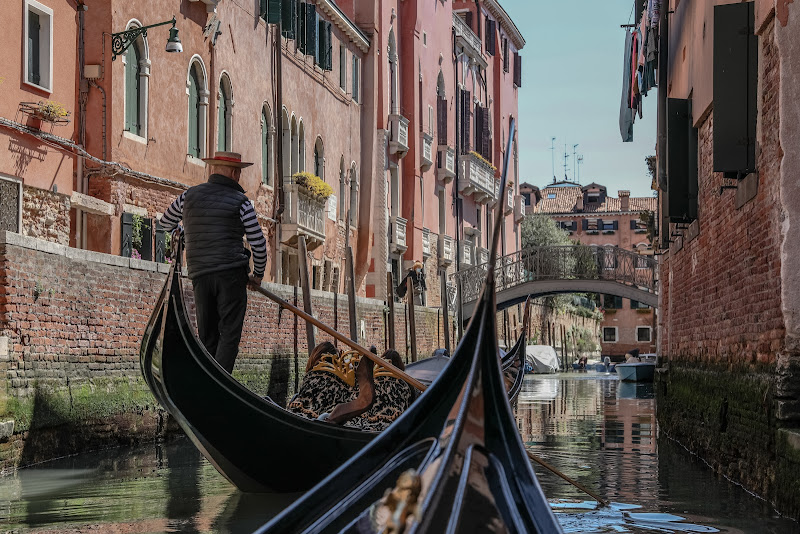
227, 159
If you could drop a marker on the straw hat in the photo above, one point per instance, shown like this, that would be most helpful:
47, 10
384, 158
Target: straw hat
227, 159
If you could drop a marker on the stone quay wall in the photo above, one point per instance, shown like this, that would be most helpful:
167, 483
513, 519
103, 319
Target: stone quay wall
725, 390
71, 322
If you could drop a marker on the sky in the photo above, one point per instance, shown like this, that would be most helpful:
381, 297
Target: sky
571, 90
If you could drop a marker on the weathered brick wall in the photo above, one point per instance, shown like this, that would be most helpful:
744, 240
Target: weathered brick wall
71, 322
721, 319
45, 215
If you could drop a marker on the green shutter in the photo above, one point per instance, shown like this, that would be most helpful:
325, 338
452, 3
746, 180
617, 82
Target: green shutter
194, 115
342, 66
262, 9
221, 122
288, 9
264, 147
311, 30
34, 75
328, 47
301, 26
132, 72
355, 78
319, 55
274, 14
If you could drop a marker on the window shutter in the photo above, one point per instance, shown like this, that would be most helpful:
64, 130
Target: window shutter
34, 76
478, 130
465, 113
735, 88
517, 69
342, 67
161, 245
131, 90
263, 10
301, 27
274, 11
356, 76
681, 161
491, 36
147, 240
585, 224
264, 147
633, 224
194, 115
311, 29
574, 225
441, 120
468, 19
221, 111
505, 54
616, 225
127, 235
328, 47
486, 135
288, 15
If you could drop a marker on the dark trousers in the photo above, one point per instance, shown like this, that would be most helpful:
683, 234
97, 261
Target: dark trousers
220, 304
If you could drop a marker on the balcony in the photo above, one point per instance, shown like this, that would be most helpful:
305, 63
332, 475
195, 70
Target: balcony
398, 234
398, 135
426, 158
508, 207
304, 215
519, 209
446, 250
468, 41
477, 179
426, 243
445, 164
466, 254
482, 255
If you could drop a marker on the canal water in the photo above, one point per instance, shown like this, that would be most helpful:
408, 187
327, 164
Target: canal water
592, 427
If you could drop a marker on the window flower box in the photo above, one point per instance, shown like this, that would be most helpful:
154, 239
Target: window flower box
44, 112
313, 184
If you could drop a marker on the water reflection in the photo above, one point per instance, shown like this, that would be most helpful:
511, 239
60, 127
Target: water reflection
603, 433
594, 428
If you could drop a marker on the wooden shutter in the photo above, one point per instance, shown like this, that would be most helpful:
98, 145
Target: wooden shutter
147, 239
505, 54
616, 225
441, 120
478, 130
356, 96
160, 245
132, 89
127, 235
585, 224
301, 26
633, 224
468, 19
34, 55
681, 161
517, 69
288, 16
465, 110
263, 9
486, 134
194, 115
328, 48
491, 36
274, 11
221, 123
342, 67
735, 89
264, 147
311, 30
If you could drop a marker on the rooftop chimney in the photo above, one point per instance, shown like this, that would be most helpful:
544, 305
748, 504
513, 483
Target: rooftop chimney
579, 203
625, 201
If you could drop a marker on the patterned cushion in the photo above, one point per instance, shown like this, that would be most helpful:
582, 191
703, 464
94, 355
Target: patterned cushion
319, 393
392, 397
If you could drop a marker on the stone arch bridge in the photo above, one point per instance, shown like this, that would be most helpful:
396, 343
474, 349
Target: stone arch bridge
539, 271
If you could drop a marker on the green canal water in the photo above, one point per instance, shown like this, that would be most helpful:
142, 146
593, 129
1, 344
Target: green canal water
592, 427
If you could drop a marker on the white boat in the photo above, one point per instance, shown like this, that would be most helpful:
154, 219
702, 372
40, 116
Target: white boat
543, 359
636, 372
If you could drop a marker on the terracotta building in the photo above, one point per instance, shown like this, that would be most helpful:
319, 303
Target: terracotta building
401, 108
729, 213
592, 217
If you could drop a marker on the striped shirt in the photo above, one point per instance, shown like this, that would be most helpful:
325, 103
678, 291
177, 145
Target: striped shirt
252, 230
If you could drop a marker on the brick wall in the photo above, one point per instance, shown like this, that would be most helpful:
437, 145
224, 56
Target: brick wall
721, 321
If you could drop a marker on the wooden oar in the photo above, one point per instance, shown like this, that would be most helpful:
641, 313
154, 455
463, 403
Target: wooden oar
555, 471
341, 337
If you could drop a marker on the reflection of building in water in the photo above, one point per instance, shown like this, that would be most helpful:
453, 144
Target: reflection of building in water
595, 432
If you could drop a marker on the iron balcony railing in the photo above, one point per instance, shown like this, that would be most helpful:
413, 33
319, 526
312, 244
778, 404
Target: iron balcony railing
579, 262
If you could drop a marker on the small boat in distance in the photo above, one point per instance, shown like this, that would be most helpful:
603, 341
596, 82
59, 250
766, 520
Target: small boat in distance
636, 372
543, 359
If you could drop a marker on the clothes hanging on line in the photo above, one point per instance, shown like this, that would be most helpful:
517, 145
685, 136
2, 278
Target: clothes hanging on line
626, 115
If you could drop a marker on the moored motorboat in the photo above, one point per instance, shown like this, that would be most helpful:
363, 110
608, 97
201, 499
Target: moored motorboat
543, 359
636, 371
453, 462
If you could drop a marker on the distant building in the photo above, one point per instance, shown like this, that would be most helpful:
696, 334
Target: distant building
594, 218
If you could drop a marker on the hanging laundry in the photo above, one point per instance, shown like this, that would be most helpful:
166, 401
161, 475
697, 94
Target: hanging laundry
626, 114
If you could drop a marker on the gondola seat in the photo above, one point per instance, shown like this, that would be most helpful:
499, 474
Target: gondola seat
392, 397
329, 383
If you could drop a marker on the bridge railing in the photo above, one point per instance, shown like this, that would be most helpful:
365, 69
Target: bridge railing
578, 262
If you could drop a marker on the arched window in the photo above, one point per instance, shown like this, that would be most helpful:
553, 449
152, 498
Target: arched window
319, 158
137, 75
286, 149
225, 114
295, 150
353, 195
197, 90
301, 147
267, 177
440, 90
394, 104
342, 190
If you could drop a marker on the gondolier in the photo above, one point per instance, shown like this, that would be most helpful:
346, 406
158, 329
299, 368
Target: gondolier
216, 215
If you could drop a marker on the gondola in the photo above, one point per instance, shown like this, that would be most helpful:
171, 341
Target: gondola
240, 433
453, 462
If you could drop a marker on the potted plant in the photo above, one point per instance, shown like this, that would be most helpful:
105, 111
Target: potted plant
51, 111
313, 184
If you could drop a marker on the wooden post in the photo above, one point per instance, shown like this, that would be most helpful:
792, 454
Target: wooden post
564, 345
445, 310
336, 312
302, 255
411, 319
351, 295
296, 350
390, 321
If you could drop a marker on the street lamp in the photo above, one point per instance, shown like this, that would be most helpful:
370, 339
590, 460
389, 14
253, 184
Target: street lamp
122, 40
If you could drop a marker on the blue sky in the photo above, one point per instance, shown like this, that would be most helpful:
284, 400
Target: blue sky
572, 83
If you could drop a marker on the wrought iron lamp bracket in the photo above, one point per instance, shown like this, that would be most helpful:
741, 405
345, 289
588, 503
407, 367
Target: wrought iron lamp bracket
122, 40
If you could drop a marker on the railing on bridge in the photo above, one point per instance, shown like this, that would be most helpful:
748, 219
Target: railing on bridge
578, 262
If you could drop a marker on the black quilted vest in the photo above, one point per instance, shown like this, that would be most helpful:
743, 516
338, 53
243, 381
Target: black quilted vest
213, 227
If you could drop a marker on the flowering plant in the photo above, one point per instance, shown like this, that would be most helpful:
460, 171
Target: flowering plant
52, 111
481, 158
314, 184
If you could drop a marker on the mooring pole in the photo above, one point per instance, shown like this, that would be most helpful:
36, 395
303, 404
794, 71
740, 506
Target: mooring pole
351, 295
390, 304
303, 256
445, 310
411, 319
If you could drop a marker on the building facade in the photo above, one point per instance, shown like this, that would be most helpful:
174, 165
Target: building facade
729, 220
594, 218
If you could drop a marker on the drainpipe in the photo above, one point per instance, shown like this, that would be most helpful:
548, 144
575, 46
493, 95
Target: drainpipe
459, 207
277, 201
80, 216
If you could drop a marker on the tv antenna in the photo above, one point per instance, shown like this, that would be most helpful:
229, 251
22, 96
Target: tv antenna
574, 161
553, 156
